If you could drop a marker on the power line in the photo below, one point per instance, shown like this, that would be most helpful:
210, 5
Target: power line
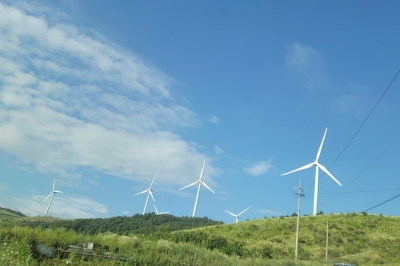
374, 161
386, 201
360, 191
365, 120
359, 128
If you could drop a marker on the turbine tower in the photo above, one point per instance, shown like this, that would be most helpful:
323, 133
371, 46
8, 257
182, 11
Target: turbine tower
317, 166
198, 189
52, 193
149, 193
158, 213
237, 215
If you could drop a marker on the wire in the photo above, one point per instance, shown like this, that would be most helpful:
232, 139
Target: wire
355, 134
365, 120
359, 128
355, 192
386, 201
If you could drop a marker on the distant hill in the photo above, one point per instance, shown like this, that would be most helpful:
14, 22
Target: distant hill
136, 224
4, 212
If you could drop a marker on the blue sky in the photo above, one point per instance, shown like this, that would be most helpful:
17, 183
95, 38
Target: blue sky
101, 96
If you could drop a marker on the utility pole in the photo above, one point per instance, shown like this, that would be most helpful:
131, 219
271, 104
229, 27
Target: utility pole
299, 194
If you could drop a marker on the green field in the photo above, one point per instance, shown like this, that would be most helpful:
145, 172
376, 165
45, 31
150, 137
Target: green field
360, 239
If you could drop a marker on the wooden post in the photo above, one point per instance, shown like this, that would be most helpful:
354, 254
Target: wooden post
327, 237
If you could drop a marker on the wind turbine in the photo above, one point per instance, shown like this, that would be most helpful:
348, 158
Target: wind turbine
52, 193
317, 166
198, 189
159, 212
149, 193
237, 215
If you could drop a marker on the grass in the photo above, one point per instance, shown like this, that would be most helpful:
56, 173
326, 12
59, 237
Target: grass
358, 239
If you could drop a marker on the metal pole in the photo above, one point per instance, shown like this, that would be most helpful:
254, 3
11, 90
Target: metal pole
299, 193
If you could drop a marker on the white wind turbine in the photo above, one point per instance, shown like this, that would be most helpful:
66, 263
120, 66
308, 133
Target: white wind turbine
52, 193
158, 213
317, 166
149, 193
237, 215
198, 189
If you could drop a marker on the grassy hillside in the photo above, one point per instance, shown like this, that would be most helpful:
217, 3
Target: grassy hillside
6, 214
361, 239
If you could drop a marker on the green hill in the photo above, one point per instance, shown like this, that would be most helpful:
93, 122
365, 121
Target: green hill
6, 214
360, 239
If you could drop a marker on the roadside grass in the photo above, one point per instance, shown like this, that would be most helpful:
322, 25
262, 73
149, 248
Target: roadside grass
354, 238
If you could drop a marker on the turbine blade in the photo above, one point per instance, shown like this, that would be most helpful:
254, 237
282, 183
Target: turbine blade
163, 212
243, 211
54, 182
57, 191
201, 173
300, 168
230, 213
155, 209
204, 184
144, 191
320, 147
194, 183
151, 194
328, 173
47, 196
153, 180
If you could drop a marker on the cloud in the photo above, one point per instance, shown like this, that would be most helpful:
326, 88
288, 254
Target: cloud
270, 212
301, 55
93, 182
218, 150
62, 206
72, 99
214, 120
126, 213
259, 168
307, 64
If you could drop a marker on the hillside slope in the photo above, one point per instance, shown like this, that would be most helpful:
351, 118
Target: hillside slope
6, 214
361, 239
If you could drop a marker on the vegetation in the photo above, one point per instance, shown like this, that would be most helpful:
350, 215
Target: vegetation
123, 225
7, 213
360, 239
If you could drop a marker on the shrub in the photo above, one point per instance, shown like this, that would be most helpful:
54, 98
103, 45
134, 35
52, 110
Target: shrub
217, 242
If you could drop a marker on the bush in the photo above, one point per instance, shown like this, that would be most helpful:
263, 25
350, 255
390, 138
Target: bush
217, 242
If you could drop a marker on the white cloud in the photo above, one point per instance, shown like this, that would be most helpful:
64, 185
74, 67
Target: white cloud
259, 168
308, 64
93, 182
62, 206
214, 119
126, 213
270, 212
301, 55
70, 98
218, 150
